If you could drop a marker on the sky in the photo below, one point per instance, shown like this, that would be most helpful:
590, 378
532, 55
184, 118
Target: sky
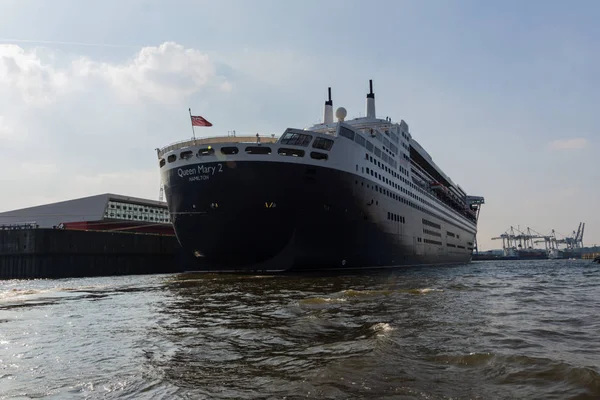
503, 95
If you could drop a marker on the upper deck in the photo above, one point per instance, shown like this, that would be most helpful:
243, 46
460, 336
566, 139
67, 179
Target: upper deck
214, 140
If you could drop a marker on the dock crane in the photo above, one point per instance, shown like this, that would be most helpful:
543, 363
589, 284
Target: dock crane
512, 241
575, 241
571, 242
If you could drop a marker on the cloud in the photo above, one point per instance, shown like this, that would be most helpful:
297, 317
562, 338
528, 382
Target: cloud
568, 144
167, 73
76, 126
24, 76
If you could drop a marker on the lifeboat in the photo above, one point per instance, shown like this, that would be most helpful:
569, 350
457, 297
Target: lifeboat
439, 187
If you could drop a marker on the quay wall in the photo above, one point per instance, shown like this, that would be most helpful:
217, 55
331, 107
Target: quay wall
56, 253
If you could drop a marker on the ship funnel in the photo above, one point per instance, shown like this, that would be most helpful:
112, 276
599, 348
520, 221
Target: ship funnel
328, 110
371, 101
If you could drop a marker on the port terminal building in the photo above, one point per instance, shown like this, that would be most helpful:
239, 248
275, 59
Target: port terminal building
101, 235
103, 212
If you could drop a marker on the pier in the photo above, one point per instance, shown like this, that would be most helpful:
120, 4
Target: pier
29, 252
100, 235
595, 257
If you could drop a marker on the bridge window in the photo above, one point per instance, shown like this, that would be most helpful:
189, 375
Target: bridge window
296, 139
162, 162
347, 133
322, 143
360, 140
172, 158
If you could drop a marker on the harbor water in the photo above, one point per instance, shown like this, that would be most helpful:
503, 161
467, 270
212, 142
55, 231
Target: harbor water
486, 330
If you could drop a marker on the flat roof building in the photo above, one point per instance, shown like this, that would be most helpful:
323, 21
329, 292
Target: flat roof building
100, 212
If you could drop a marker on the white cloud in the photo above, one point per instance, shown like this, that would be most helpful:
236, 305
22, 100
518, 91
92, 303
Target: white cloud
568, 144
24, 76
77, 126
165, 73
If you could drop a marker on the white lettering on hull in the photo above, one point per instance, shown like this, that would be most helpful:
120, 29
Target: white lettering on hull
200, 173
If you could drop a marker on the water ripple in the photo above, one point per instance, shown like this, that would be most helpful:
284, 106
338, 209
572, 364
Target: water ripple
499, 330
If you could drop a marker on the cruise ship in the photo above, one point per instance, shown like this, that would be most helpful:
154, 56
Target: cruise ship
345, 194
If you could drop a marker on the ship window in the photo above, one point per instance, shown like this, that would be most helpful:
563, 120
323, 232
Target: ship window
322, 143
258, 150
229, 150
162, 162
318, 156
185, 155
377, 151
207, 151
347, 133
360, 140
295, 139
290, 152
172, 158
369, 146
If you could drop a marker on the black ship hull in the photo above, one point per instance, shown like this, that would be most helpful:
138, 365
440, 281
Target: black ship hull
258, 215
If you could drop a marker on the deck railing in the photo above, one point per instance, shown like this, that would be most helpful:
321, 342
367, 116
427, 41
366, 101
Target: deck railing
215, 139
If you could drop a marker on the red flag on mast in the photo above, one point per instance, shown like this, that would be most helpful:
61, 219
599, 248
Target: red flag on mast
199, 121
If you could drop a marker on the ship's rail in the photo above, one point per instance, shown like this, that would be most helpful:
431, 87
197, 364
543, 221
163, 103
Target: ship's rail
214, 139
